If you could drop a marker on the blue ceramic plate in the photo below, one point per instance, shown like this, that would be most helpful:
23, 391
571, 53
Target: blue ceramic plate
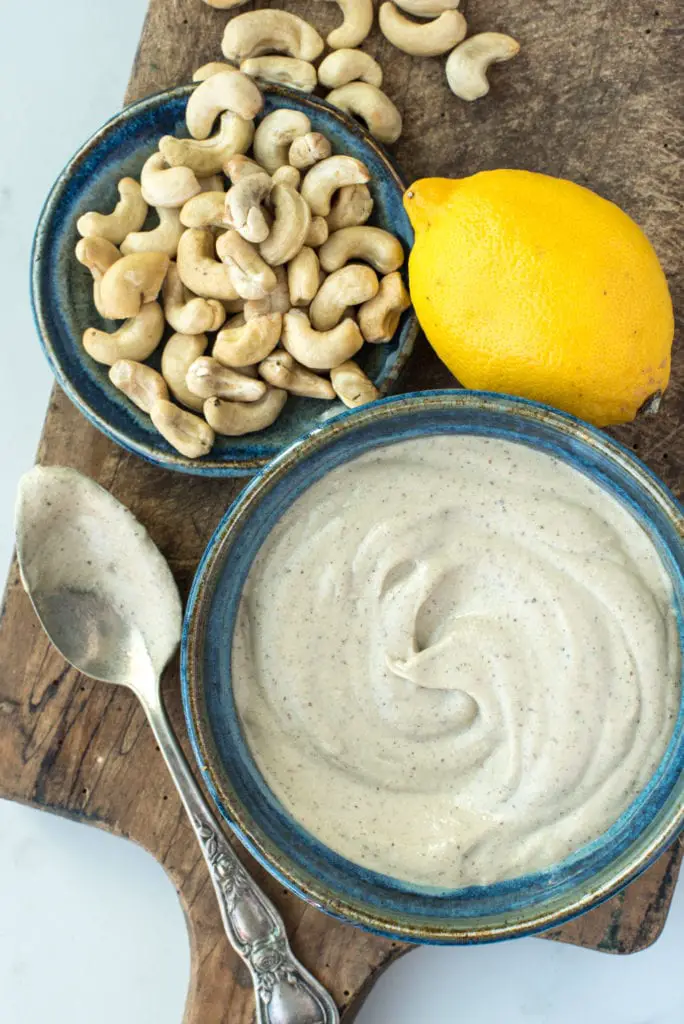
504, 910
61, 289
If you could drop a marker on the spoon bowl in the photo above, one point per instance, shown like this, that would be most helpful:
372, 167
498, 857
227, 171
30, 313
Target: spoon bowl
100, 586
91, 635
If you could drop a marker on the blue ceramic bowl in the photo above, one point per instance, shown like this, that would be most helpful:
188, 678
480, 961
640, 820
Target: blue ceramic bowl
62, 292
481, 913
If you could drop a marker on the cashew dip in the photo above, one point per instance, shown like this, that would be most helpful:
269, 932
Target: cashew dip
456, 660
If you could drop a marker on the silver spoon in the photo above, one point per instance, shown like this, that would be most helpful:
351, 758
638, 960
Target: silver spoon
107, 600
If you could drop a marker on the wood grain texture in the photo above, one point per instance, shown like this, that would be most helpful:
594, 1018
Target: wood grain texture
592, 97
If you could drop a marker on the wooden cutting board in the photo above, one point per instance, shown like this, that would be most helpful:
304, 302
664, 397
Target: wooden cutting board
593, 97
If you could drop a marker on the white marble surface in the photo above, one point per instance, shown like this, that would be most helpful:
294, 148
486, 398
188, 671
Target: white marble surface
90, 930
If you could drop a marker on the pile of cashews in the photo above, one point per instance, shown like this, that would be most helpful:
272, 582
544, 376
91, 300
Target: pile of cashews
353, 76
285, 253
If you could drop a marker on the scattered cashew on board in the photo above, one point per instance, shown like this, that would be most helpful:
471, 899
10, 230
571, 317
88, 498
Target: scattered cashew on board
422, 28
236, 272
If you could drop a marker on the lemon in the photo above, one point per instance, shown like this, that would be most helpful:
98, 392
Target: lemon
535, 286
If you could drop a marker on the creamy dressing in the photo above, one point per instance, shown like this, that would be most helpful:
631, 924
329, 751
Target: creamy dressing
101, 587
456, 660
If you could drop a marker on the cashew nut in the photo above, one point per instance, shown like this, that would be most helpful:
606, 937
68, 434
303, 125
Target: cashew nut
381, 249
251, 276
97, 254
128, 215
466, 66
131, 282
356, 24
427, 8
297, 74
291, 220
199, 270
240, 166
379, 317
259, 307
167, 186
270, 31
319, 350
206, 210
225, 5
213, 183
308, 149
352, 385
214, 67
302, 277
243, 206
352, 205
277, 301
234, 136
326, 177
428, 39
317, 233
349, 286
228, 90
287, 175
275, 134
97, 298
343, 66
163, 238
143, 385
235, 306
282, 371
207, 378
250, 342
236, 418
136, 339
382, 118
178, 355
187, 433
187, 313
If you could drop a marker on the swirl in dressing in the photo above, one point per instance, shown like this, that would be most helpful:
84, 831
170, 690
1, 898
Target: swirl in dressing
456, 660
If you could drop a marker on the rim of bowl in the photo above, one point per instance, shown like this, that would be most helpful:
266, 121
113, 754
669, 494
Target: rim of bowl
582, 896
174, 460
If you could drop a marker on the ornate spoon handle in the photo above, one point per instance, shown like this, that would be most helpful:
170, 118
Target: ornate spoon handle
285, 992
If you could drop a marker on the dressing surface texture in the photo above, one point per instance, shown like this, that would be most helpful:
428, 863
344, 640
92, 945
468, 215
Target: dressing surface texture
456, 660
